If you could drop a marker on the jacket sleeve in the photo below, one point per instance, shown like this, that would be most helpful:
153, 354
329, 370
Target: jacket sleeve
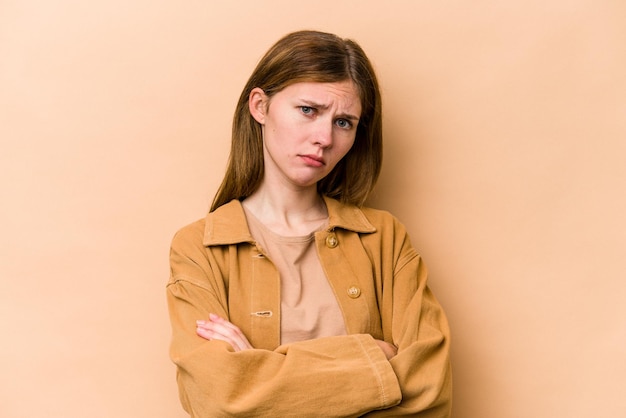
335, 376
415, 322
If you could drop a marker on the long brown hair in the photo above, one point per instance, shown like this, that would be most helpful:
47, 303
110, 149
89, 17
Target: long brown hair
318, 57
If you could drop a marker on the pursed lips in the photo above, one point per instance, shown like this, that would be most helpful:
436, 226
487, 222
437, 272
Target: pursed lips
313, 159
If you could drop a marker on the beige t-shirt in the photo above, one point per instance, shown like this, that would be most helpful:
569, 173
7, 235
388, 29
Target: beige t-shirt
309, 308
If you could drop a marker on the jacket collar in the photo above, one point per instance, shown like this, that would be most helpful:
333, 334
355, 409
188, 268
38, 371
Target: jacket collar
227, 224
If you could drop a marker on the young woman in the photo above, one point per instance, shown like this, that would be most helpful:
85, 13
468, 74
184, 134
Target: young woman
291, 299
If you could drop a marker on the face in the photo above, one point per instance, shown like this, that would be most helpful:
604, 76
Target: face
307, 128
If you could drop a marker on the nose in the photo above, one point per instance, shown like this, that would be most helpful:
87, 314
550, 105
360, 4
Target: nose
323, 135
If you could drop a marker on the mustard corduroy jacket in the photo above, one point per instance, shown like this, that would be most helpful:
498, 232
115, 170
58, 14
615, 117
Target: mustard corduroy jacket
380, 283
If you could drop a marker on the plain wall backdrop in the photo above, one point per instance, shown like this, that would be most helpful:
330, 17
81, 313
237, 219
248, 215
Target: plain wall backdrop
505, 126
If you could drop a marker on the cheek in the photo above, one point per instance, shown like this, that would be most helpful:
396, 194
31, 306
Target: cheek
281, 132
345, 147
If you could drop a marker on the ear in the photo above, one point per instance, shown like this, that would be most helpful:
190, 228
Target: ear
257, 103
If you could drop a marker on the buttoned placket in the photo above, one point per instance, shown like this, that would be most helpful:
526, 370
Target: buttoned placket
264, 304
343, 275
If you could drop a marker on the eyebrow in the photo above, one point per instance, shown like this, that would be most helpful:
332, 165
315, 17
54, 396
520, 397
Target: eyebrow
324, 107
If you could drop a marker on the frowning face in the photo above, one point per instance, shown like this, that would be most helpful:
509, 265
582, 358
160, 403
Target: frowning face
308, 128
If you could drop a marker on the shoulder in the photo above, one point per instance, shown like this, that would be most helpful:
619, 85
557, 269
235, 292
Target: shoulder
385, 223
379, 216
363, 220
389, 229
224, 226
190, 235
373, 225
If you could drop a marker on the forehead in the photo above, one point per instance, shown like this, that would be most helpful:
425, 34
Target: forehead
340, 95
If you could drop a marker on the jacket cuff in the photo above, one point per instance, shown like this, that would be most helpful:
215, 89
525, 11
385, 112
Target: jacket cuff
389, 388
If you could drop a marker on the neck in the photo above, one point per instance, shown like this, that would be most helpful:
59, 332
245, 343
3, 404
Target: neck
288, 212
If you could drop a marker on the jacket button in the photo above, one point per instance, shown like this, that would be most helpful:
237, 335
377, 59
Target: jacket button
354, 292
331, 240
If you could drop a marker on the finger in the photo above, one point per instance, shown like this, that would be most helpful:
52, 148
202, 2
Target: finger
225, 331
229, 329
216, 322
219, 320
216, 319
207, 331
213, 336
236, 339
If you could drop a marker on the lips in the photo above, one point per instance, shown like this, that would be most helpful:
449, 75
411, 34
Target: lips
313, 160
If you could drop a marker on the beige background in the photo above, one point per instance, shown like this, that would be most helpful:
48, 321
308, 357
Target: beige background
505, 148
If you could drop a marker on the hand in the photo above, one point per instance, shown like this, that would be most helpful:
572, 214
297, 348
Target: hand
390, 350
218, 328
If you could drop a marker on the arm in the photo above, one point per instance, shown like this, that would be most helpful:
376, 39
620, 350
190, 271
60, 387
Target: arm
335, 376
218, 328
416, 323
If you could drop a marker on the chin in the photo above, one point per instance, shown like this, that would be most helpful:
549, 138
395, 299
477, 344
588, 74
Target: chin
306, 183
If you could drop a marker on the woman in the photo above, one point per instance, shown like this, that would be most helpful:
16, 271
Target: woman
290, 298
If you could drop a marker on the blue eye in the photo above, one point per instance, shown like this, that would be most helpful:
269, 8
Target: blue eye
307, 110
344, 123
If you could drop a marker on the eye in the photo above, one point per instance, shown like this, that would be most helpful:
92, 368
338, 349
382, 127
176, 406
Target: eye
343, 123
307, 110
